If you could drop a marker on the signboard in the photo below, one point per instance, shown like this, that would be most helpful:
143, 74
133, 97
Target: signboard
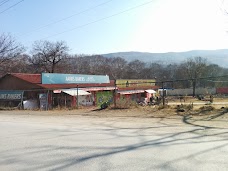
54, 78
43, 101
11, 95
135, 83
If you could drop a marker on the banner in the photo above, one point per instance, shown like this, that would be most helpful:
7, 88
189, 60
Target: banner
54, 78
11, 95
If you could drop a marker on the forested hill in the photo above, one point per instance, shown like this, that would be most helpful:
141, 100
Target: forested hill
219, 57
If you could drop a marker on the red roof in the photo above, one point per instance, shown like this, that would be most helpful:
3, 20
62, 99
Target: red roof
59, 86
36, 79
32, 78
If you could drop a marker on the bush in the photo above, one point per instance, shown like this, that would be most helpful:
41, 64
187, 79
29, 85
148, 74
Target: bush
206, 108
183, 108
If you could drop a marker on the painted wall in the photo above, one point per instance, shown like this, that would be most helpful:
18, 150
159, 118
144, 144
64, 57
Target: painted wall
104, 96
135, 83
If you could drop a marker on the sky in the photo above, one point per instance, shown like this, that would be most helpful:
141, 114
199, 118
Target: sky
107, 26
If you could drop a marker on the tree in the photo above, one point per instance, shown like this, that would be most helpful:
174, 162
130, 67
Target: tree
134, 69
47, 55
117, 67
9, 48
20, 64
195, 68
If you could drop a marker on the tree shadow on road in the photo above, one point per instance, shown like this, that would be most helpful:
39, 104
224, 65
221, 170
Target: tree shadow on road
106, 139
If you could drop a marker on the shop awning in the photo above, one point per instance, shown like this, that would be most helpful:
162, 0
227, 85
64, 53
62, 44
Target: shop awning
150, 91
73, 92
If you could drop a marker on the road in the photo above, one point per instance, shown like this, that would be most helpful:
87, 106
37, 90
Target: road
40, 142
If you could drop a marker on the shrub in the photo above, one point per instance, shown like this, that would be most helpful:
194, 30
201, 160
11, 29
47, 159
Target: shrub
206, 108
183, 108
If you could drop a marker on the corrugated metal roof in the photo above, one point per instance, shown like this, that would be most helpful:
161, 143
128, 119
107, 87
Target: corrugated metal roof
131, 92
32, 78
36, 79
61, 86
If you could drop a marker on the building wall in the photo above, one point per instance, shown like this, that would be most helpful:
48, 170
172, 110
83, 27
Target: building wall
222, 90
189, 91
135, 83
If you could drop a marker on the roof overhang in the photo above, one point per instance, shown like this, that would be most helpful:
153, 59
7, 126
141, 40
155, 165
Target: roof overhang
73, 92
151, 91
98, 88
131, 92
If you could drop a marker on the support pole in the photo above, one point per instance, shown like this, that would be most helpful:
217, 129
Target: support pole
77, 98
47, 100
115, 95
22, 105
194, 88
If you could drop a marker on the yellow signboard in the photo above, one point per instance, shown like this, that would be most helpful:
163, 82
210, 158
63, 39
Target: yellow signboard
135, 82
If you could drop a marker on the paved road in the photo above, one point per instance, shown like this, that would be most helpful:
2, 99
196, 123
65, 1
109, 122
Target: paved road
81, 143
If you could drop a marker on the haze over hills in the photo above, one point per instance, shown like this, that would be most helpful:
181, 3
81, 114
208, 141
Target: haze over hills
219, 57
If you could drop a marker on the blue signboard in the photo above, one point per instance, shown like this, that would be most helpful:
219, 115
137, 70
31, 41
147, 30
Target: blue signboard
54, 78
11, 95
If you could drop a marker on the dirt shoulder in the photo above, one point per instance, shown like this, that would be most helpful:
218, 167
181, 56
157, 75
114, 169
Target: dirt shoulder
208, 117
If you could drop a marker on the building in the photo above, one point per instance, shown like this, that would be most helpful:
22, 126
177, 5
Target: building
30, 87
27, 89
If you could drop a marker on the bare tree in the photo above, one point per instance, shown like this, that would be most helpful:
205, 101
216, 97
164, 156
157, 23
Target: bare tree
195, 68
134, 69
9, 48
19, 64
47, 55
117, 67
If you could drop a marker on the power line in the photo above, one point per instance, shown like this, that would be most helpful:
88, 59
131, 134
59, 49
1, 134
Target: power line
3, 2
68, 17
101, 19
11, 7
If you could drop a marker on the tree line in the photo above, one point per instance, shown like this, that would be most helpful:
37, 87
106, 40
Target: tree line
54, 57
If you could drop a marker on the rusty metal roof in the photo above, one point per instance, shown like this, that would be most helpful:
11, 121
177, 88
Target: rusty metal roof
32, 78
36, 79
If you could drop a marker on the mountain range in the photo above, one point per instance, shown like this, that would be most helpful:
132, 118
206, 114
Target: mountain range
219, 57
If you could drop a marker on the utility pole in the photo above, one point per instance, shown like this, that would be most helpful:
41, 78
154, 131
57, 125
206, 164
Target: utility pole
115, 94
163, 94
77, 98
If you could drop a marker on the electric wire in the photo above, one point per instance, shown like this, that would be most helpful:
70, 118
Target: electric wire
3, 2
11, 7
101, 19
68, 17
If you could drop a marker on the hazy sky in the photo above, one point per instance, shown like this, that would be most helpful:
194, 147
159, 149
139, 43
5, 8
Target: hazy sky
105, 26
